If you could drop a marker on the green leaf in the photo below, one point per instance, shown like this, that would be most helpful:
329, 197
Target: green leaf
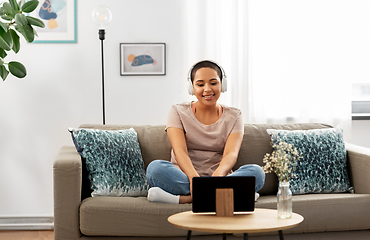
4, 26
3, 72
35, 21
8, 10
21, 2
26, 31
14, 5
17, 69
3, 54
6, 41
16, 43
30, 6
2, 11
20, 19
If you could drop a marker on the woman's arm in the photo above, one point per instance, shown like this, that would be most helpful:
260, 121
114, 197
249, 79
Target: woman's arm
230, 154
179, 147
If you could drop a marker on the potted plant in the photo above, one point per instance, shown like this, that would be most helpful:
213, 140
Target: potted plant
15, 21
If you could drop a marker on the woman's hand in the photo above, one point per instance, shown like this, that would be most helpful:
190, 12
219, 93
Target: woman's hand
230, 154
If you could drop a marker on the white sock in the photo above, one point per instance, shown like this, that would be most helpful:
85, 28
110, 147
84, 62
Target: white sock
256, 196
156, 194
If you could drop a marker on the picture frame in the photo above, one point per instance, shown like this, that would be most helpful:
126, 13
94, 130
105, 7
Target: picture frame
140, 59
60, 19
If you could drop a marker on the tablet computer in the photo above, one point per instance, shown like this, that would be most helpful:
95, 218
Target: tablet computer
204, 193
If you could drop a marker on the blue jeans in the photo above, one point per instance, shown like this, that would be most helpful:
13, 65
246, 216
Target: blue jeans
165, 175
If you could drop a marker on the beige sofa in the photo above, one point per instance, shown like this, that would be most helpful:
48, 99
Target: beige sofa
78, 216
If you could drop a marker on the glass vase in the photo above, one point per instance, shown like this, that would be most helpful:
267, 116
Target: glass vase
284, 200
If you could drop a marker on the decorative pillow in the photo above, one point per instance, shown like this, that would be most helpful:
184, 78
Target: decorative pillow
113, 161
323, 166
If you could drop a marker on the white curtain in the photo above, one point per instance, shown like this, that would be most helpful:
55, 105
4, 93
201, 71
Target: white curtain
286, 61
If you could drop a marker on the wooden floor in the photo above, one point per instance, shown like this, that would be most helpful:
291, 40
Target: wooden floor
26, 235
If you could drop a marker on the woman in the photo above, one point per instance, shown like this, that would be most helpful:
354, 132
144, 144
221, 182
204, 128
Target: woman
205, 137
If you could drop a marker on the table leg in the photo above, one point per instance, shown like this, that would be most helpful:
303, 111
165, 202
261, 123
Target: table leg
189, 235
224, 236
281, 236
245, 236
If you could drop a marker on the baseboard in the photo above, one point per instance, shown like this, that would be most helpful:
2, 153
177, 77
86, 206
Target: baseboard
26, 223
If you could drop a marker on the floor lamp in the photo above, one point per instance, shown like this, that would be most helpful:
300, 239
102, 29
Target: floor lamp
102, 16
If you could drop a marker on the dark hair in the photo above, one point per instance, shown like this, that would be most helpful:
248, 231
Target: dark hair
205, 64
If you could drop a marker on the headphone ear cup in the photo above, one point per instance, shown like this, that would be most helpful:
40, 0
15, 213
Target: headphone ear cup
190, 87
224, 84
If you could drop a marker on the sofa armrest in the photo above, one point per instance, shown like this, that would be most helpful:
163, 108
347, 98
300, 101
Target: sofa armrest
359, 167
67, 172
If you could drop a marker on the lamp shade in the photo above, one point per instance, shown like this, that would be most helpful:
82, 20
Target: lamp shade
102, 16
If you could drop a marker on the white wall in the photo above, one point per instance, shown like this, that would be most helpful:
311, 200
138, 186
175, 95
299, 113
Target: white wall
63, 89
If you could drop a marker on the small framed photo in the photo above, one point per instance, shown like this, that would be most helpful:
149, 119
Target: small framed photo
60, 19
139, 59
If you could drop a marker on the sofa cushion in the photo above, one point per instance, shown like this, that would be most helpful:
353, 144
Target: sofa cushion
107, 216
326, 212
323, 166
113, 161
256, 143
111, 216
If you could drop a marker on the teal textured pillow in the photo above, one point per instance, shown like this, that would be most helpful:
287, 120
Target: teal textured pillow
113, 161
323, 166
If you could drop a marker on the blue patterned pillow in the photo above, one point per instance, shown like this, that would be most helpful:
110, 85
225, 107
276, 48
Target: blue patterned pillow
113, 161
323, 166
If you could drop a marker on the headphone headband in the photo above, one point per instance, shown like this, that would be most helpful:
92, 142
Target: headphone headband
223, 77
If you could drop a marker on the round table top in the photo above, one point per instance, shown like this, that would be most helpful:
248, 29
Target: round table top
261, 220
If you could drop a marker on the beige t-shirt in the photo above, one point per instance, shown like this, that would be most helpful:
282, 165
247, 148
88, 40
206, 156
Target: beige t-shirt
205, 142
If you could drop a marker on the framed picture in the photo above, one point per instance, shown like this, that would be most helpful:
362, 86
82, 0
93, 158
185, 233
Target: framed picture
143, 59
60, 18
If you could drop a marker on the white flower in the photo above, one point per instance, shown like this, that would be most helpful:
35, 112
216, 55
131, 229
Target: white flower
282, 161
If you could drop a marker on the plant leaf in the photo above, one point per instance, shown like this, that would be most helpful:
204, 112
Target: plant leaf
14, 5
3, 72
3, 54
20, 3
20, 19
8, 10
26, 31
6, 41
17, 69
30, 6
16, 43
35, 21
4, 26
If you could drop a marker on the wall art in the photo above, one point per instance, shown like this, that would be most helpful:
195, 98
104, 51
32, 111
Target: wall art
60, 18
143, 59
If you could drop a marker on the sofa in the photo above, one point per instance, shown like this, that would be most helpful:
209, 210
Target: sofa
77, 215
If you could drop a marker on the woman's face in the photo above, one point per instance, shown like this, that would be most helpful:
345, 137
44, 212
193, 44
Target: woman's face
207, 86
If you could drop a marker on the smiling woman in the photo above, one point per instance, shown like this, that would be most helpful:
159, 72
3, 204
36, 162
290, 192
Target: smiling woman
205, 137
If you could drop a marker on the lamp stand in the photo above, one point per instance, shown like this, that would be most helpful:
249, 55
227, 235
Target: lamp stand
102, 37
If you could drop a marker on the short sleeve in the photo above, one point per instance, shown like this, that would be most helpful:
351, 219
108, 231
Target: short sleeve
239, 124
173, 119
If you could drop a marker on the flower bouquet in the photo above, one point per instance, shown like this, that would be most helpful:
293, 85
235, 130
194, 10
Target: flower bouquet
282, 161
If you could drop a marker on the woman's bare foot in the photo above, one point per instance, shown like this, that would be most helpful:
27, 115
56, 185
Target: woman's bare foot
185, 199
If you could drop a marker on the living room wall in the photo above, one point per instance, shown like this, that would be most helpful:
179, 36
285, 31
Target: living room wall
63, 89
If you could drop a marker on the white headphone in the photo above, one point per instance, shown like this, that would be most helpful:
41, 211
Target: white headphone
223, 78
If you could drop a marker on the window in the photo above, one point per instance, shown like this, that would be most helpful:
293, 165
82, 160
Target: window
361, 101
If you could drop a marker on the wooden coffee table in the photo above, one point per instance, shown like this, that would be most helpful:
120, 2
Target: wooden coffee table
261, 220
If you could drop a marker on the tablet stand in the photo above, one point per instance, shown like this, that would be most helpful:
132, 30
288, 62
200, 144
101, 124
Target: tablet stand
224, 202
